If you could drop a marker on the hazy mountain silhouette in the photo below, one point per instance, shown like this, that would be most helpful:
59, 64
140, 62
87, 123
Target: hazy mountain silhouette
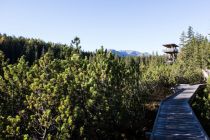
124, 53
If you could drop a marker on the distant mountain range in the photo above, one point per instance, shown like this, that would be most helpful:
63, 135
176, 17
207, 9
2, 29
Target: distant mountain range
124, 53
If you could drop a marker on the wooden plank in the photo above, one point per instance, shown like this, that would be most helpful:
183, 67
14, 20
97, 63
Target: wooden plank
175, 119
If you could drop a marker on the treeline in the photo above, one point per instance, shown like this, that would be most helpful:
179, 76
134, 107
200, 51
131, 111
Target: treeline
33, 49
56, 91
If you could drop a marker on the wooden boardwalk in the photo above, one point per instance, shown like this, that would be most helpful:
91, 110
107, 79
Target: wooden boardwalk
176, 120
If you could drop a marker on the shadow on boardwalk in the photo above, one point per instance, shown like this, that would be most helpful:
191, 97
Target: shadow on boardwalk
175, 118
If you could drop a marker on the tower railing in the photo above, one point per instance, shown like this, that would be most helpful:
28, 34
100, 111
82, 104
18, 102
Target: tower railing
170, 50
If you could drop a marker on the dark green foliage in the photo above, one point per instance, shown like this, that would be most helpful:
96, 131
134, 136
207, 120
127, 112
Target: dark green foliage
201, 106
33, 49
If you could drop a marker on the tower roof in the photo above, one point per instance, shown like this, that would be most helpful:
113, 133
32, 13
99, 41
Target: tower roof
170, 45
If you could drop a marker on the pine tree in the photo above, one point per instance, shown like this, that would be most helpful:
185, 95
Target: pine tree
183, 39
190, 33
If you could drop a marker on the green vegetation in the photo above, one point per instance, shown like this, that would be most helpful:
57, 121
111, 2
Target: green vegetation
201, 106
56, 91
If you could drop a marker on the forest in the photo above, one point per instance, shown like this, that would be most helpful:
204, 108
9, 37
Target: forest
57, 91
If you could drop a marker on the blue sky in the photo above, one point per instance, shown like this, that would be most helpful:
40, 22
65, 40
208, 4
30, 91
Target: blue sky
142, 25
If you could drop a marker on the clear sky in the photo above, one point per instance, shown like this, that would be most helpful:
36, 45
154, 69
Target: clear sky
141, 25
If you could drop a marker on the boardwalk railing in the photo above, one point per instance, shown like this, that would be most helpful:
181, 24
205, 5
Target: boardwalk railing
175, 118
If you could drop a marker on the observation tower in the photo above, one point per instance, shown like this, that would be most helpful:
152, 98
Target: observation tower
171, 51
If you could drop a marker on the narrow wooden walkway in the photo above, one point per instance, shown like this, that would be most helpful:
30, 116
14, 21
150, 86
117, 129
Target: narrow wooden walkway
176, 120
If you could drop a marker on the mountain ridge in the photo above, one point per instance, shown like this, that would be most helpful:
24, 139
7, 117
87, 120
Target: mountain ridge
124, 53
